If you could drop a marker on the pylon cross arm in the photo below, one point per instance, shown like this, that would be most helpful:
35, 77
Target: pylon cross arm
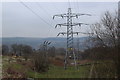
79, 14
82, 33
63, 33
73, 24
64, 24
60, 15
46, 42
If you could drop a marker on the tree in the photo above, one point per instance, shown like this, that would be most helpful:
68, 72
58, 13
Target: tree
26, 50
41, 64
0, 49
51, 51
14, 48
61, 51
5, 49
106, 33
22, 50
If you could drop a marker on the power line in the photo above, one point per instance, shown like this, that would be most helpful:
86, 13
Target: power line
34, 13
58, 9
40, 7
77, 4
43, 9
47, 11
74, 5
69, 5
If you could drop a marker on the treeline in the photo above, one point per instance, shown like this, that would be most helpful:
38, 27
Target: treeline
40, 58
22, 50
99, 53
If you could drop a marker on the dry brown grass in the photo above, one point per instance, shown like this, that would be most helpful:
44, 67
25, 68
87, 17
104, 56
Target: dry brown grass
57, 61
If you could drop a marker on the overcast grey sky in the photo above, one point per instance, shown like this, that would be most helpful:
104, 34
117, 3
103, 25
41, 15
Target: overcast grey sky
19, 21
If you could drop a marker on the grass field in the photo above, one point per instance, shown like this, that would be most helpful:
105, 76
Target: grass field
0, 66
17, 69
20, 70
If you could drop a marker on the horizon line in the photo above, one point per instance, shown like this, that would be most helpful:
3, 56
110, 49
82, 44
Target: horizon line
39, 37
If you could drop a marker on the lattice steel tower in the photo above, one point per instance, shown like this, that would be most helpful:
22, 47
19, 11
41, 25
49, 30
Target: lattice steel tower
70, 48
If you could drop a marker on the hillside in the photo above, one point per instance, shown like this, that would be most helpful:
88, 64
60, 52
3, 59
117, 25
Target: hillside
36, 42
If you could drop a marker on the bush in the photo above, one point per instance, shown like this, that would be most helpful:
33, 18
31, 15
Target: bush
40, 62
104, 70
15, 73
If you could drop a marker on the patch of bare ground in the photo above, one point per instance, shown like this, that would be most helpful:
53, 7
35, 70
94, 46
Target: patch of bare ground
57, 61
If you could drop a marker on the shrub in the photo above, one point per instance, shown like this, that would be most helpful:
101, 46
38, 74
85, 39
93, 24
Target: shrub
40, 62
104, 70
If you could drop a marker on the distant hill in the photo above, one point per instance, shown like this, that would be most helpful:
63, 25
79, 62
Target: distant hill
36, 42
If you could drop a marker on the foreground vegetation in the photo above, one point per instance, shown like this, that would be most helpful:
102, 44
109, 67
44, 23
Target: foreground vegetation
16, 69
19, 68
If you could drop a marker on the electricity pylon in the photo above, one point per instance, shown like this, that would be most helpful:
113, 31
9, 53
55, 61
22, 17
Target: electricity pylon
70, 48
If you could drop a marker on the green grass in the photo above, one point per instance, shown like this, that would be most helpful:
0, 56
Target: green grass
53, 72
57, 71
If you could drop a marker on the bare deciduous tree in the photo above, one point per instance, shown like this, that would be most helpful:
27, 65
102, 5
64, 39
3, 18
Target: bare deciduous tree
106, 33
5, 49
106, 30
